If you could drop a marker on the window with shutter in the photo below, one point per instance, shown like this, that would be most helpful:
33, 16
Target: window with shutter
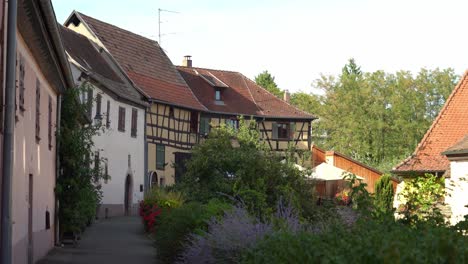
108, 115
292, 130
194, 122
21, 83
160, 156
274, 130
205, 125
38, 110
49, 131
90, 103
282, 130
98, 106
121, 126
134, 122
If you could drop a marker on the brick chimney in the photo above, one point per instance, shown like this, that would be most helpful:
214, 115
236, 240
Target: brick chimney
286, 96
187, 62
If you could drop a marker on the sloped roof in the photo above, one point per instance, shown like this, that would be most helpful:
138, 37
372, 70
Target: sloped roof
450, 126
84, 52
240, 95
461, 147
144, 62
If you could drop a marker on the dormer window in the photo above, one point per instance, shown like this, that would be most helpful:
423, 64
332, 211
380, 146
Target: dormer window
218, 95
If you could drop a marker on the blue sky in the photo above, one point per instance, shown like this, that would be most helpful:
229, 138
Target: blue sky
295, 40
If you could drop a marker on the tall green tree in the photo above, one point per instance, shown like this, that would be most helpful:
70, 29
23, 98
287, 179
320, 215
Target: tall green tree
384, 194
267, 81
376, 117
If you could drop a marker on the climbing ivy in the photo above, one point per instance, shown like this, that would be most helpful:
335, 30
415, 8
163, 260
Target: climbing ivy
78, 185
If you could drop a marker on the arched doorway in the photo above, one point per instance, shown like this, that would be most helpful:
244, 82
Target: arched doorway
128, 194
153, 179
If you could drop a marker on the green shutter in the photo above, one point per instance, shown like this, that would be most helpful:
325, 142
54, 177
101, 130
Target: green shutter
205, 125
160, 157
274, 128
292, 130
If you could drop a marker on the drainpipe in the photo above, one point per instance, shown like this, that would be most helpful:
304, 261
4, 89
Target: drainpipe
8, 135
146, 173
57, 169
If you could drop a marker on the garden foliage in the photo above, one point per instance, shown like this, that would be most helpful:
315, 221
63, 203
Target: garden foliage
78, 184
236, 163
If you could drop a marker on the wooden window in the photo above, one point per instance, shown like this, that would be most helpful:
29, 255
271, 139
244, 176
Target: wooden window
21, 85
106, 172
90, 102
98, 106
49, 129
38, 110
194, 122
283, 130
160, 157
97, 160
232, 123
121, 119
108, 115
134, 122
205, 125
171, 112
218, 95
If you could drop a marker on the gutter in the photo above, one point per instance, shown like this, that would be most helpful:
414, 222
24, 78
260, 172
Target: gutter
8, 135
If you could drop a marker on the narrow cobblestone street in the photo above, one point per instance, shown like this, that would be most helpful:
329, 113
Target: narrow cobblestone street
116, 240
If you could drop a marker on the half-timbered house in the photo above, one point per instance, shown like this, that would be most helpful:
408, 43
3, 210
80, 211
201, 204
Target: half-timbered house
120, 109
186, 102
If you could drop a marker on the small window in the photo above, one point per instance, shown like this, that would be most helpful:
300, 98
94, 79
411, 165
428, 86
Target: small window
217, 95
38, 110
232, 123
134, 122
160, 157
205, 125
108, 115
171, 112
194, 122
121, 119
49, 117
283, 130
98, 106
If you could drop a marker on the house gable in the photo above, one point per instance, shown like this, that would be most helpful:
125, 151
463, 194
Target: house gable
450, 126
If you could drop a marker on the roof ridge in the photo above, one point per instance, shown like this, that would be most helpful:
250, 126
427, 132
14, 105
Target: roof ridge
436, 121
304, 112
126, 30
206, 69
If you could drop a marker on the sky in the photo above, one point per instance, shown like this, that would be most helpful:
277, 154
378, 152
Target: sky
295, 40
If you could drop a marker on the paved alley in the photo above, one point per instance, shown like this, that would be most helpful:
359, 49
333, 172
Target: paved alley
116, 240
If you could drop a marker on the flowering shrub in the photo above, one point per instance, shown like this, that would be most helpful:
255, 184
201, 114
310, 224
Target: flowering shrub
157, 201
149, 213
343, 198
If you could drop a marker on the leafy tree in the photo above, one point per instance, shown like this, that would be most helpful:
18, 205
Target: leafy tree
384, 194
267, 81
78, 189
376, 117
238, 164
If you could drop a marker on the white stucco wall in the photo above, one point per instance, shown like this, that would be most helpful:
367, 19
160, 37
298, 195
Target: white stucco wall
35, 158
457, 190
116, 146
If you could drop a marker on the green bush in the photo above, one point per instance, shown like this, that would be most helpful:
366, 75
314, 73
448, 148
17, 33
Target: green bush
383, 201
164, 198
175, 227
239, 164
367, 242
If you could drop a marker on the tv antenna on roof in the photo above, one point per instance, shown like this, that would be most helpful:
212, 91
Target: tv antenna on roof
159, 22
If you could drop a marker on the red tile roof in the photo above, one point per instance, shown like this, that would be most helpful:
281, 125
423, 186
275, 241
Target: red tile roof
241, 96
145, 63
450, 126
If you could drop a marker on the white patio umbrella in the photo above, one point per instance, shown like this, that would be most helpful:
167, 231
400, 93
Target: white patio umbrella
328, 172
